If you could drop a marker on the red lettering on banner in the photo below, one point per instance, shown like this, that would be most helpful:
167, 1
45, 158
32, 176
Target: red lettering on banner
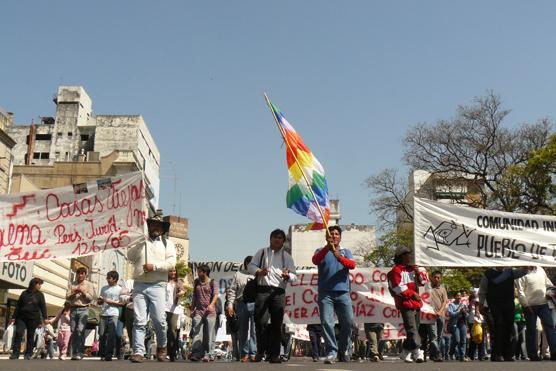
309, 296
63, 237
314, 279
300, 313
16, 253
389, 312
21, 234
56, 210
357, 278
125, 198
354, 296
427, 316
94, 231
21, 205
315, 312
364, 310
378, 276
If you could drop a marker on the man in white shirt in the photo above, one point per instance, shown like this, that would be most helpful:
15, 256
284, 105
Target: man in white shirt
109, 299
531, 290
151, 260
273, 267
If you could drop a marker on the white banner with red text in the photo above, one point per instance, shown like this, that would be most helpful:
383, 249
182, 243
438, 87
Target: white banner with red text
82, 219
457, 236
370, 298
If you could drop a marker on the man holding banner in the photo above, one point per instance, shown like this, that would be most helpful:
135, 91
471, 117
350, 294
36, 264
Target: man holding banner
334, 263
151, 260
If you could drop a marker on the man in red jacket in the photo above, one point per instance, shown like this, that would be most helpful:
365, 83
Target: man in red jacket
403, 280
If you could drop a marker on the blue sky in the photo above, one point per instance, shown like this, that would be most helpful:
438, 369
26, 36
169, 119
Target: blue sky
351, 77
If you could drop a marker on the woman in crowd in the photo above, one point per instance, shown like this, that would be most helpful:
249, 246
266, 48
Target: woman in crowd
174, 291
30, 311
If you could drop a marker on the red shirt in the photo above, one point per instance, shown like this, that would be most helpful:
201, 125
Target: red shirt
402, 286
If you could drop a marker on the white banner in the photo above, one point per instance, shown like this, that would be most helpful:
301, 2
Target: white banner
371, 300
66, 222
458, 236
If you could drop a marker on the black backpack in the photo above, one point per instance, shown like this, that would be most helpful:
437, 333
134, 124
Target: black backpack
250, 289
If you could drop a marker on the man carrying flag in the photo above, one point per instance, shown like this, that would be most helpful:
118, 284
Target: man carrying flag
334, 263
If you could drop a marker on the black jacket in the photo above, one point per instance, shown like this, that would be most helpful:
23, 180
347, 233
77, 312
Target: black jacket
30, 305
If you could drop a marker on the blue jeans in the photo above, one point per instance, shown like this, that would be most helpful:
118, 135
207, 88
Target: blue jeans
339, 302
246, 332
531, 314
107, 333
148, 298
436, 337
78, 322
459, 337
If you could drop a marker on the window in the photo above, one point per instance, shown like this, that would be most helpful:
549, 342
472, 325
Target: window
41, 155
84, 137
70, 134
57, 155
43, 136
59, 134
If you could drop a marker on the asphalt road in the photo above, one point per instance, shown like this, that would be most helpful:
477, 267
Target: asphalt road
301, 364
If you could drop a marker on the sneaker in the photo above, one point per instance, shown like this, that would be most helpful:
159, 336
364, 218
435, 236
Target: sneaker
330, 359
245, 359
275, 360
419, 356
193, 358
408, 357
13, 356
205, 358
374, 359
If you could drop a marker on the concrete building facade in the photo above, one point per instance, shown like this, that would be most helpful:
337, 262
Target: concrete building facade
72, 147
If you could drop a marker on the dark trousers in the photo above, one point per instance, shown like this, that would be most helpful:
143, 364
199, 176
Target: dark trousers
315, 334
22, 324
502, 323
269, 303
411, 320
172, 334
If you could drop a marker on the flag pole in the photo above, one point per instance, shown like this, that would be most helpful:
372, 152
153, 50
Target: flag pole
299, 166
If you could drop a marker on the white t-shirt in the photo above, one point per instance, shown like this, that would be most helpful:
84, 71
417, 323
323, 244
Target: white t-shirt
111, 293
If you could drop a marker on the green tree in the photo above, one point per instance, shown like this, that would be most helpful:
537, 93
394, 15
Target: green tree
383, 254
530, 187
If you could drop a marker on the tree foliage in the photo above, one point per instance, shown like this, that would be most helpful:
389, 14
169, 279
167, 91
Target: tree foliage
476, 144
513, 170
383, 254
530, 187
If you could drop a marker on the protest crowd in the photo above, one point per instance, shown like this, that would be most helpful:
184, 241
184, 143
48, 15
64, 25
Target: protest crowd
510, 317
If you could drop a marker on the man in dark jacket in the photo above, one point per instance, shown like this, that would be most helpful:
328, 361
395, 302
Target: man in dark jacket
496, 303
